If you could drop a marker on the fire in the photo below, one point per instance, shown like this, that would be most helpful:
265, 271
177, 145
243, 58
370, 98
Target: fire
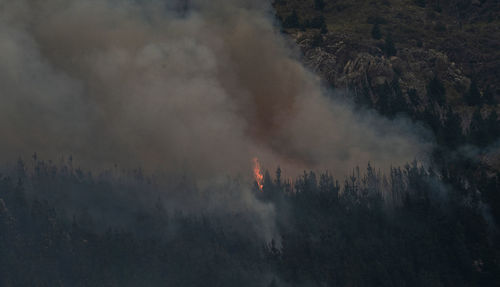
257, 173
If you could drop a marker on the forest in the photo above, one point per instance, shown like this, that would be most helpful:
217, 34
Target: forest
412, 227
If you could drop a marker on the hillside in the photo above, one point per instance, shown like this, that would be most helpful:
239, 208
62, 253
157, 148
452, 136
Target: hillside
223, 143
458, 41
436, 61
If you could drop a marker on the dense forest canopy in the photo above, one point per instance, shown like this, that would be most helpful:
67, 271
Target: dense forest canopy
249, 143
413, 226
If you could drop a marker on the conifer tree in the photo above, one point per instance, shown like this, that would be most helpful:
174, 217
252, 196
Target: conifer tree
319, 4
489, 97
292, 21
473, 96
389, 47
477, 131
452, 129
492, 127
436, 91
376, 33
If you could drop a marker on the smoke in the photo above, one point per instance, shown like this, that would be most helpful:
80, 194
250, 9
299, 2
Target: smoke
178, 86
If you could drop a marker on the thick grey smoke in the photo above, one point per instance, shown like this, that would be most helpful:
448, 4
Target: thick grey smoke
191, 86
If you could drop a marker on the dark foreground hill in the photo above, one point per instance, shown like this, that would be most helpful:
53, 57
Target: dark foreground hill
406, 228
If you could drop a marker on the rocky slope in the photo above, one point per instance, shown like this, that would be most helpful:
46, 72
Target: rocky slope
430, 59
434, 40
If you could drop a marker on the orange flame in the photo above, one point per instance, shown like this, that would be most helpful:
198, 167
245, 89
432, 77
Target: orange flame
257, 173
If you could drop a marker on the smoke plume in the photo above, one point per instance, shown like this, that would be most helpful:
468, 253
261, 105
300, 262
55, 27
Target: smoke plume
193, 86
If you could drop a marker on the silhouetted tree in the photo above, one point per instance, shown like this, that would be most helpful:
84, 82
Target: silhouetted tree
319, 4
389, 47
489, 97
317, 22
421, 3
398, 101
383, 102
452, 130
473, 96
292, 20
413, 96
492, 126
436, 91
376, 33
477, 131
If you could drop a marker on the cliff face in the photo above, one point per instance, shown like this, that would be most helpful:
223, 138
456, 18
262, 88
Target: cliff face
345, 64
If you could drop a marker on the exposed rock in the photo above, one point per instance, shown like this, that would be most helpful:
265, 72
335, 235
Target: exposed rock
343, 62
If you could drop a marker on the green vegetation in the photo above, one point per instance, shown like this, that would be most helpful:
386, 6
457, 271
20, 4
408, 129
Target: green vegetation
464, 30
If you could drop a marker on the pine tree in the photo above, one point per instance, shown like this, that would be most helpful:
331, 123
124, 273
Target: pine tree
421, 3
436, 91
398, 101
413, 96
452, 130
292, 21
489, 97
477, 129
473, 96
376, 33
324, 28
277, 181
437, 7
319, 4
492, 127
389, 48
383, 102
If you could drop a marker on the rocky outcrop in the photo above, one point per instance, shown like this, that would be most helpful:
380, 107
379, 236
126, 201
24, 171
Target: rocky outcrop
345, 63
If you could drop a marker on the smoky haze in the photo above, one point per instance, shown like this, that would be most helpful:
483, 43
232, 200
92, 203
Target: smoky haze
197, 86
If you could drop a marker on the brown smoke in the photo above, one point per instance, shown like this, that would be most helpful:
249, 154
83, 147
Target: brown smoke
202, 91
